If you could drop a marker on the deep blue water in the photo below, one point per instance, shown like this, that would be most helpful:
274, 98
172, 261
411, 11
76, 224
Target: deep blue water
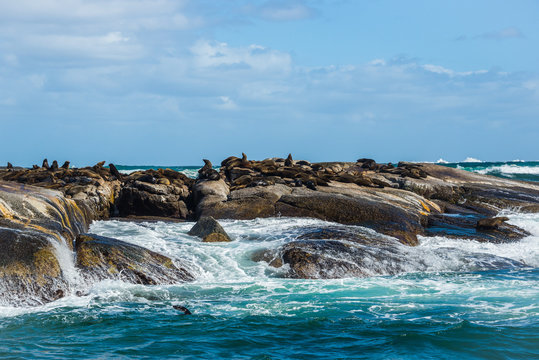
454, 301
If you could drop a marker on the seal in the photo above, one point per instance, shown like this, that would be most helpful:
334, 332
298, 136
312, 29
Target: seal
45, 164
289, 160
66, 165
182, 308
244, 162
490, 223
114, 171
208, 172
54, 165
9, 166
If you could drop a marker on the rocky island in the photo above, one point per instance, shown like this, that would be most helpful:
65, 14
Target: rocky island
45, 213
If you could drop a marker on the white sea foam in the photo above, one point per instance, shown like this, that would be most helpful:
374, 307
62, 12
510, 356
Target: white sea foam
471, 160
130, 171
442, 161
230, 283
510, 169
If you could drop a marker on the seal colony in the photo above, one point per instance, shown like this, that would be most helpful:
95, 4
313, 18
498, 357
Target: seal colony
48, 208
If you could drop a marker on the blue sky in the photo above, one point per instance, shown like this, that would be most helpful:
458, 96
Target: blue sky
170, 82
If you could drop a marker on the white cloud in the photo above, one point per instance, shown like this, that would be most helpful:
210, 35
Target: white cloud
284, 11
256, 57
226, 103
437, 69
507, 33
112, 46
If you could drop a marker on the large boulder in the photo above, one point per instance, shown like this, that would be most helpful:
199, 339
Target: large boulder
35, 225
30, 273
145, 199
209, 230
101, 258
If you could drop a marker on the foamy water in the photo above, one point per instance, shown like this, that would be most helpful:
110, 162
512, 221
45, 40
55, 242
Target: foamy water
451, 297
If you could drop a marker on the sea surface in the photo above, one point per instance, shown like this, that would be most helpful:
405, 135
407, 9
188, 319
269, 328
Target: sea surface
458, 299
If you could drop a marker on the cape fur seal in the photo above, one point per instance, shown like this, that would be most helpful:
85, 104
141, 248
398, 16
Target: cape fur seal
289, 160
182, 308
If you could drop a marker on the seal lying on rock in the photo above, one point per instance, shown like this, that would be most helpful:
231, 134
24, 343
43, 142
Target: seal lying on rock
491, 223
208, 172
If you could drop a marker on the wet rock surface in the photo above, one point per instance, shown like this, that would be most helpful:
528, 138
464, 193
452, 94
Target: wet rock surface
101, 258
400, 202
209, 230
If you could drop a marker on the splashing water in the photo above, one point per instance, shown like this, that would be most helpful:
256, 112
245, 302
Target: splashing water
450, 300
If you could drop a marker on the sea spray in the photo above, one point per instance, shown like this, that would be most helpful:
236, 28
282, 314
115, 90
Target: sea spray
440, 308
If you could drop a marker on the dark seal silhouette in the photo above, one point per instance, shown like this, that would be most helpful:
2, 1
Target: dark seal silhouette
45, 164
114, 171
182, 308
208, 172
289, 160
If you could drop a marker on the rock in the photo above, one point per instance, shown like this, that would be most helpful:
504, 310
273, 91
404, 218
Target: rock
65, 165
147, 199
491, 223
464, 224
209, 230
354, 207
45, 164
30, 273
331, 259
101, 258
35, 224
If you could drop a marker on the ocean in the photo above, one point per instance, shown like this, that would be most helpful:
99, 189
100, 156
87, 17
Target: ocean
456, 299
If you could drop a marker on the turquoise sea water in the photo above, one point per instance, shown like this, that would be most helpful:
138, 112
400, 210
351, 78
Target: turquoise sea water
457, 299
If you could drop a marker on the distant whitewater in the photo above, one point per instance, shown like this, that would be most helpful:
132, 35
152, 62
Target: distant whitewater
516, 169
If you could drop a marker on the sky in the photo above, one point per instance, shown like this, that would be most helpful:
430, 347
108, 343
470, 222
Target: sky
169, 82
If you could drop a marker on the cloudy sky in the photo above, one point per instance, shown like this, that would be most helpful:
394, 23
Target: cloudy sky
168, 82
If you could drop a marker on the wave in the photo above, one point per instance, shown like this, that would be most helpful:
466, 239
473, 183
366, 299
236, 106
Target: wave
471, 160
509, 169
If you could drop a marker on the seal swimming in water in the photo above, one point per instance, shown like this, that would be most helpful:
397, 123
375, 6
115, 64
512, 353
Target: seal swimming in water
182, 308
